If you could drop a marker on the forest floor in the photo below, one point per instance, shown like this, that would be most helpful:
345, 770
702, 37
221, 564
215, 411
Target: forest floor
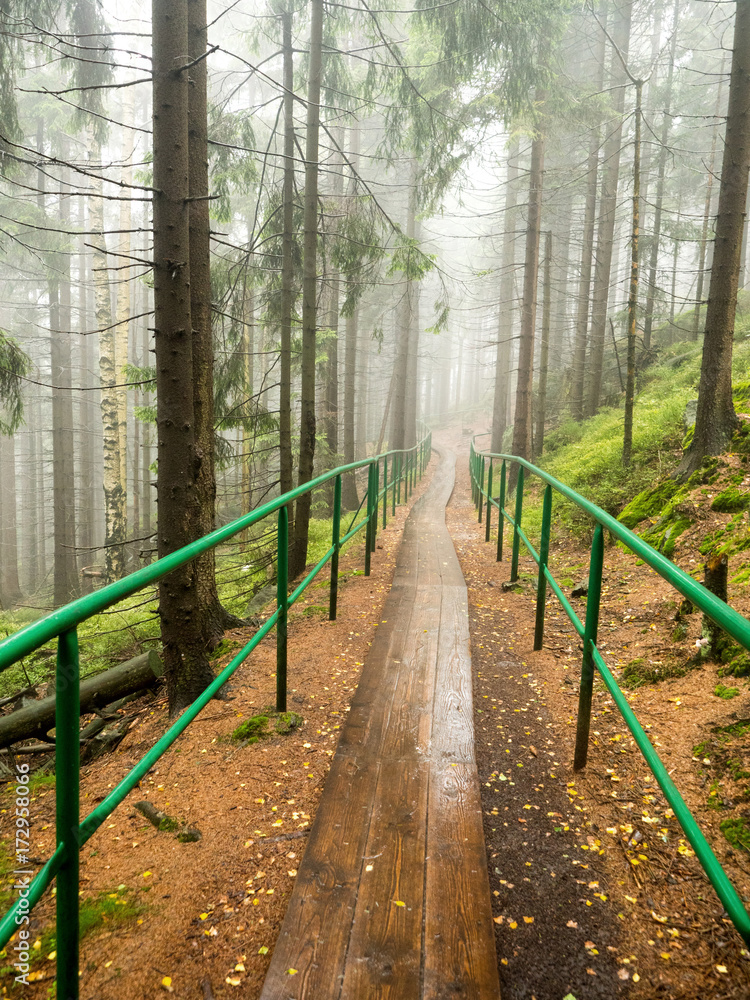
597, 893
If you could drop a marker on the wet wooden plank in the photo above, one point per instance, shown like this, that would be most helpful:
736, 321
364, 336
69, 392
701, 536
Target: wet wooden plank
452, 714
315, 933
460, 958
385, 950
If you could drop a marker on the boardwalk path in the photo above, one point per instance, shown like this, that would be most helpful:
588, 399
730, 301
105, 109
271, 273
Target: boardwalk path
392, 898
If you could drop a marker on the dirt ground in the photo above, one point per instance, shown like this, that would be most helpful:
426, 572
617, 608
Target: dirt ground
596, 891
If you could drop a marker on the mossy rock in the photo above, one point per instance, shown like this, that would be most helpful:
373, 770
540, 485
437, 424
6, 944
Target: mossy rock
737, 665
664, 534
730, 500
737, 833
707, 473
257, 727
639, 672
726, 692
650, 503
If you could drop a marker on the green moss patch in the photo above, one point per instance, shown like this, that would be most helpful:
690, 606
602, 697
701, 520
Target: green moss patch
639, 671
726, 692
258, 727
737, 833
650, 503
730, 500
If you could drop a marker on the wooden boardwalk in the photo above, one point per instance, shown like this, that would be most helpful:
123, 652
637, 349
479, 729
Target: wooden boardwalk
392, 898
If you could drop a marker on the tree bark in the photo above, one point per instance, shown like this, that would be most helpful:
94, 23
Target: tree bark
186, 667
608, 207
523, 420
298, 555
403, 331
505, 313
286, 462
544, 353
122, 312
627, 441
715, 418
10, 590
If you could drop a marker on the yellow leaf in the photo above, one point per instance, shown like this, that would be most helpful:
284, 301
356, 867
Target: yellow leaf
661, 920
721, 968
528, 920
636, 977
233, 980
263, 950
398, 902
666, 956
204, 916
498, 920
291, 972
503, 961
512, 924
146, 874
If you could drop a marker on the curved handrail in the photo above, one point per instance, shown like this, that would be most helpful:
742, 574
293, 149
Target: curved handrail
729, 619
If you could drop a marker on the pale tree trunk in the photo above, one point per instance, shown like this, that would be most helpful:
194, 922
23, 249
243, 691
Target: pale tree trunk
187, 669
331, 424
63, 477
648, 319
608, 206
122, 312
627, 445
544, 353
248, 355
715, 418
523, 420
298, 555
349, 498
114, 498
10, 590
403, 331
505, 312
286, 461
707, 213
412, 369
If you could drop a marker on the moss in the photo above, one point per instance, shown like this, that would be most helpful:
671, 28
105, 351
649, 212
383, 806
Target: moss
639, 671
650, 503
726, 692
707, 473
258, 726
169, 824
664, 534
315, 610
737, 833
730, 500
737, 664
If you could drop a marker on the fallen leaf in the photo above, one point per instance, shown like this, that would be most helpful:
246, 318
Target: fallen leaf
573, 924
499, 920
398, 902
623, 974
263, 950
528, 920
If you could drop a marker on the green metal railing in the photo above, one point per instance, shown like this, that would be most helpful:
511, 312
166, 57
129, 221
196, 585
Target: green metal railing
406, 467
732, 622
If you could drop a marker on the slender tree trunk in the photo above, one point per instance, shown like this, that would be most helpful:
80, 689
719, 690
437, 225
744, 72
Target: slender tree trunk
146, 474
505, 313
10, 590
63, 447
648, 320
627, 444
114, 498
309, 291
608, 207
523, 421
186, 667
349, 497
412, 369
544, 354
715, 418
401, 358
286, 467
703, 249
122, 313
248, 353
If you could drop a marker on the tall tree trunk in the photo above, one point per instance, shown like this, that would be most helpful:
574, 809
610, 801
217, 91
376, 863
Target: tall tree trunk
63, 447
114, 498
544, 353
505, 312
146, 474
715, 418
10, 590
608, 206
331, 408
703, 249
523, 422
248, 354
298, 555
648, 320
122, 312
412, 370
627, 442
403, 328
187, 669
286, 466
349, 497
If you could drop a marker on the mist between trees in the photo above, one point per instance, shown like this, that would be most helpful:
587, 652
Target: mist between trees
243, 244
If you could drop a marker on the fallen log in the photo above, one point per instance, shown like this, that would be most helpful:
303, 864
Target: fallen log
102, 689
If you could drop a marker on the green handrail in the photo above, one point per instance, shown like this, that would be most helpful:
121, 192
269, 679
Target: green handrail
729, 619
63, 623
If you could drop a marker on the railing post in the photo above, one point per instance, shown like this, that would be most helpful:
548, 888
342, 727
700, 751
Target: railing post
400, 474
368, 529
375, 504
282, 598
591, 629
393, 486
541, 587
488, 514
516, 526
501, 514
333, 598
385, 489
481, 487
67, 773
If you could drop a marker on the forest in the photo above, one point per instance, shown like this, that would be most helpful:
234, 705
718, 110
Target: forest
244, 243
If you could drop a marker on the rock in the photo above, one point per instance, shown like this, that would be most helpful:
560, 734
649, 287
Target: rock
688, 417
581, 589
